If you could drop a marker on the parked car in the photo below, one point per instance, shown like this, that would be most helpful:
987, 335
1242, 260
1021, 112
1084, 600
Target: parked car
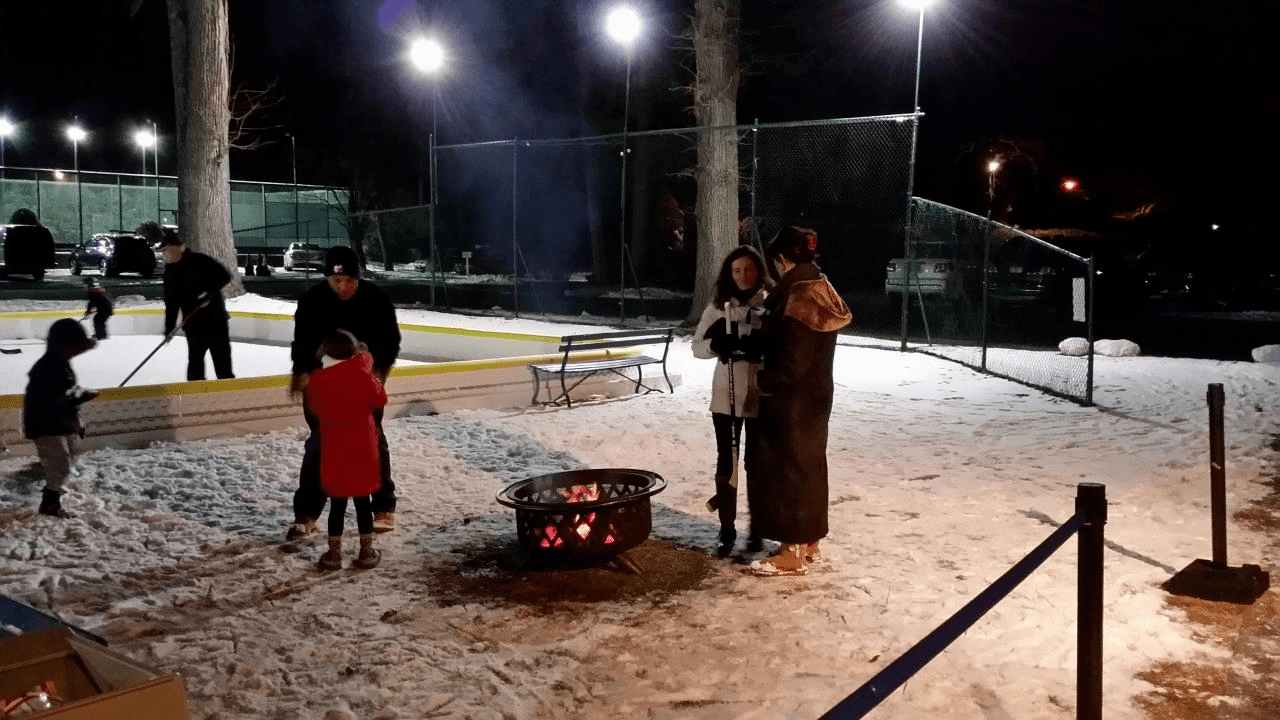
115, 253
933, 278
301, 254
28, 250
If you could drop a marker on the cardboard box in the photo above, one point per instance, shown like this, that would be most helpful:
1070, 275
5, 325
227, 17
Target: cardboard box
94, 682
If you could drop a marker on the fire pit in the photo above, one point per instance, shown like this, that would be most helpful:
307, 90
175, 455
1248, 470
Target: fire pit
583, 515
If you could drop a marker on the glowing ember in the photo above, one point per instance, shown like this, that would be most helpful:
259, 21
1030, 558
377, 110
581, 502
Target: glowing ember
581, 493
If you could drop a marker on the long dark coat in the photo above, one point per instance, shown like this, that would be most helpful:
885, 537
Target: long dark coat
786, 458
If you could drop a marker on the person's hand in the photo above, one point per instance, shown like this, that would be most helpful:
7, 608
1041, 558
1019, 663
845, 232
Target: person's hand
724, 346
751, 347
297, 384
168, 335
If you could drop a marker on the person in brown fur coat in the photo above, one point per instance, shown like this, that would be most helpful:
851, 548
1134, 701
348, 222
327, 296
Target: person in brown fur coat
786, 458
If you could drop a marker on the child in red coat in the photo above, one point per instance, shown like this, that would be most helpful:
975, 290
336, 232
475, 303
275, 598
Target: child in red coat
343, 395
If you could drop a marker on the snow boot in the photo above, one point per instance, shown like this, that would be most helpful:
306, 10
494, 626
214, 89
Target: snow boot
369, 556
384, 522
332, 558
727, 507
788, 560
300, 529
51, 504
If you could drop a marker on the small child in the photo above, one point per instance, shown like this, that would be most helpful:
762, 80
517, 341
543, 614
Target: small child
343, 396
51, 409
99, 306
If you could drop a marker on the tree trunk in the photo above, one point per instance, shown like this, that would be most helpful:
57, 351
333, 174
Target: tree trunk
715, 95
199, 38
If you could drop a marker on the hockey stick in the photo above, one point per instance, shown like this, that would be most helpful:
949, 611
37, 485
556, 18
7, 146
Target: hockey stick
185, 319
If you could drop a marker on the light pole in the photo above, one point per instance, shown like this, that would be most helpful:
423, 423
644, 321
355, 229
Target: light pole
76, 134
919, 6
144, 140
293, 163
623, 25
992, 166
427, 55
155, 157
6, 129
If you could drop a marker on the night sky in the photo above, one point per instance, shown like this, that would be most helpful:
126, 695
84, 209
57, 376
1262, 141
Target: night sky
1174, 98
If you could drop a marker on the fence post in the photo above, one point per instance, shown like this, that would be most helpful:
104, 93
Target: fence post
1091, 505
1217, 475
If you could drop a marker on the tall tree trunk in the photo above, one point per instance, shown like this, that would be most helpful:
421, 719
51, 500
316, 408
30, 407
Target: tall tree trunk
715, 96
199, 38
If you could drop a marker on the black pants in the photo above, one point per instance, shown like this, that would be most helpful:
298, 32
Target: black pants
308, 499
338, 515
218, 345
727, 429
99, 327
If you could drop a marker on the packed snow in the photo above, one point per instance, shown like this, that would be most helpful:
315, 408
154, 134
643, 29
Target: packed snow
941, 479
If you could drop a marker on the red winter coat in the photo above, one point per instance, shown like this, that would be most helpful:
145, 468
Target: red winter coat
343, 396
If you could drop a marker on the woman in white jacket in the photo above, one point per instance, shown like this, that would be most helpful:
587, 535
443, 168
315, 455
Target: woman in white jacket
724, 333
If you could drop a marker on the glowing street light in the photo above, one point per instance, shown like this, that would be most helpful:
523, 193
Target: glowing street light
427, 55
6, 129
623, 25
1070, 185
144, 139
992, 166
75, 133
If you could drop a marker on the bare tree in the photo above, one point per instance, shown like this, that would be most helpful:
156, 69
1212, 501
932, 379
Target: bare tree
715, 105
199, 43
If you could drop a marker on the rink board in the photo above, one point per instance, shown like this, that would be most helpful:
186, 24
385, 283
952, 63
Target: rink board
479, 369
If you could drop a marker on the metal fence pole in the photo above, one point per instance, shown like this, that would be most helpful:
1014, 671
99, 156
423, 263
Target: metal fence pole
1217, 476
1091, 505
1088, 386
515, 252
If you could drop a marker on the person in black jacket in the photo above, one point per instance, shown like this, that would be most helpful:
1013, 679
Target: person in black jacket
51, 409
193, 284
341, 302
99, 307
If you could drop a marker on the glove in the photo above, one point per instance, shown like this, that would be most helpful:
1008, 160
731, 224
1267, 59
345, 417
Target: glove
751, 347
203, 299
724, 346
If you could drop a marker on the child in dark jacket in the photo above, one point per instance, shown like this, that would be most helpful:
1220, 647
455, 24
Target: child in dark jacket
99, 307
343, 395
51, 409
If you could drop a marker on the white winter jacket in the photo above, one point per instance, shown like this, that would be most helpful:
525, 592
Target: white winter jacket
746, 396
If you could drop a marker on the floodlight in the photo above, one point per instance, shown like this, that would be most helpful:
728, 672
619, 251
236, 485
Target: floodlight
623, 24
426, 54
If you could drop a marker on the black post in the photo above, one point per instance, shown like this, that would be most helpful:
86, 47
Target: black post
1217, 476
1091, 505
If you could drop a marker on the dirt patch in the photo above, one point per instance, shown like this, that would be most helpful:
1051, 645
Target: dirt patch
1242, 686
499, 573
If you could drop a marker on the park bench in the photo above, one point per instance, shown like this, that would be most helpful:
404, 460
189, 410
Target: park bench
573, 364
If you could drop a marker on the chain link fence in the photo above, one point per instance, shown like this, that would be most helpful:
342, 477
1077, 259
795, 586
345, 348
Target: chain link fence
265, 217
995, 298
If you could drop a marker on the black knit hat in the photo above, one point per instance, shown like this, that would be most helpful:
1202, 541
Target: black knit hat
91, 282
341, 260
66, 333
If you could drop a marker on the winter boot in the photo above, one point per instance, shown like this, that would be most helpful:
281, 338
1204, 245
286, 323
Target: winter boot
384, 522
332, 558
368, 557
727, 507
300, 529
51, 504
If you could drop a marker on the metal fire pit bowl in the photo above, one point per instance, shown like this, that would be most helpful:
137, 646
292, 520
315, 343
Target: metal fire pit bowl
583, 515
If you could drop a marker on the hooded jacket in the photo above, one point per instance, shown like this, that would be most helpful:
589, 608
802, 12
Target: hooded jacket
786, 458
52, 402
343, 397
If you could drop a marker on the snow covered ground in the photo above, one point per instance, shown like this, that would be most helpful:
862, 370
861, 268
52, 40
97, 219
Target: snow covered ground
941, 479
